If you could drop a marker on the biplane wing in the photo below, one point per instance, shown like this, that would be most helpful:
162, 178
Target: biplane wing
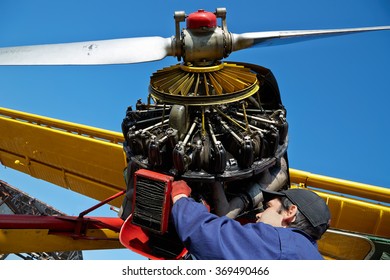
90, 161
360, 216
80, 158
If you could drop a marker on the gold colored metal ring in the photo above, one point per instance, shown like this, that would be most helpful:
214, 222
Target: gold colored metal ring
206, 69
204, 100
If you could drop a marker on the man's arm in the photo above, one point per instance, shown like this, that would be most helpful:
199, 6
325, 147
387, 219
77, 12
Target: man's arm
208, 236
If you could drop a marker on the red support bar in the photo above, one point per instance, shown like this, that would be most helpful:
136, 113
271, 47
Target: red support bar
59, 224
82, 214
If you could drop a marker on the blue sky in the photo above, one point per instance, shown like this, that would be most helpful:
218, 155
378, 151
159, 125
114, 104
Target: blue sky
336, 90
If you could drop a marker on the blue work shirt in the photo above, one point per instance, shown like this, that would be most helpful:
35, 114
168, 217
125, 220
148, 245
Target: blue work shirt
207, 236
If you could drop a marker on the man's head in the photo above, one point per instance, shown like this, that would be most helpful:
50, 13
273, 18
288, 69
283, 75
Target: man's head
299, 208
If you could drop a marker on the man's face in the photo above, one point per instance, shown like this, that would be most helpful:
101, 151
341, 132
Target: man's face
274, 214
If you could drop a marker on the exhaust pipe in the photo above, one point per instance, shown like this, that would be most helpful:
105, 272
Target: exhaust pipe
273, 179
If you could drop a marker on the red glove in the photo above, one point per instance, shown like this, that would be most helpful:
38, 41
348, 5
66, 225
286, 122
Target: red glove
180, 187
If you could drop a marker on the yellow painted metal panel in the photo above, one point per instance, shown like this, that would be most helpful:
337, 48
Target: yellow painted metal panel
357, 216
63, 153
364, 208
92, 132
340, 185
345, 246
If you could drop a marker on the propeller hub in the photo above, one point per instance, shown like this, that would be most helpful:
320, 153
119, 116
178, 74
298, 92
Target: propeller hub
202, 42
201, 19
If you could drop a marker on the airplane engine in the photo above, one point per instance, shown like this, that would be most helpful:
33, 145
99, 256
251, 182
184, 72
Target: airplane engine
220, 128
203, 128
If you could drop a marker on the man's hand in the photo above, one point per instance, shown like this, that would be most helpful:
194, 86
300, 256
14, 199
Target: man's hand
180, 189
270, 216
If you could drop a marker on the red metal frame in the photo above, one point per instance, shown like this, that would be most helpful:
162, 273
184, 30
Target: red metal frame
72, 226
135, 237
167, 180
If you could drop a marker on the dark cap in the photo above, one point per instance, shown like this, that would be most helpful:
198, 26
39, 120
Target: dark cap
311, 205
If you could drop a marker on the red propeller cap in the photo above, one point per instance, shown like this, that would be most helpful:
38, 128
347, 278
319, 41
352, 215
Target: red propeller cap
200, 19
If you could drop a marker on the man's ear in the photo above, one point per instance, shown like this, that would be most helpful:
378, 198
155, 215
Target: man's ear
289, 215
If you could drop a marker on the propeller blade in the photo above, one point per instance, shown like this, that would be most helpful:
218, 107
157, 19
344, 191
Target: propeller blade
251, 39
117, 51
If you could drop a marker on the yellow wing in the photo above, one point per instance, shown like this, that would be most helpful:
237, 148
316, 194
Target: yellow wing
90, 161
360, 216
83, 159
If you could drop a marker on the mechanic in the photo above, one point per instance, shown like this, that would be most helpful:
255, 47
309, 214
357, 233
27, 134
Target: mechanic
288, 228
